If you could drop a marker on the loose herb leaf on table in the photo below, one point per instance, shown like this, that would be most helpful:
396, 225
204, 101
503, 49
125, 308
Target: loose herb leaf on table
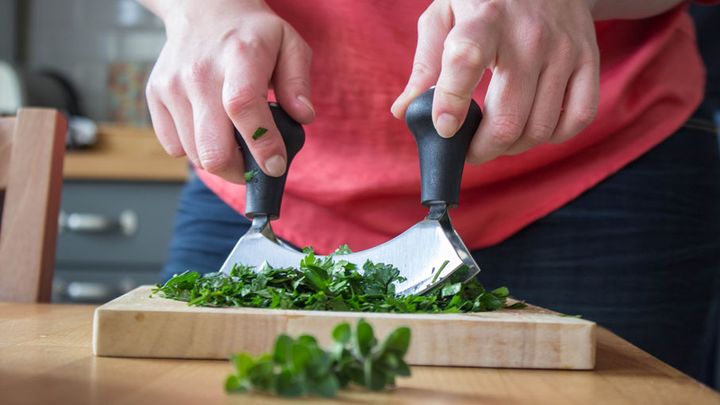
299, 367
328, 283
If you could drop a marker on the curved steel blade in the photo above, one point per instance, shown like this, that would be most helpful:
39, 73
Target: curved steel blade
417, 253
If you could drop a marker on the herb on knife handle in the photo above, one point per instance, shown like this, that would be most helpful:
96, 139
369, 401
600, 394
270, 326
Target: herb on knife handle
249, 175
300, 367
330, 284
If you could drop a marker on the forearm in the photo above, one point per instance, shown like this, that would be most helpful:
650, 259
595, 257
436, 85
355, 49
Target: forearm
630, 9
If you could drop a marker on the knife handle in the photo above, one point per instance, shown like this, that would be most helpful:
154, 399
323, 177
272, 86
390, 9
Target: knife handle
263, 193
441, 159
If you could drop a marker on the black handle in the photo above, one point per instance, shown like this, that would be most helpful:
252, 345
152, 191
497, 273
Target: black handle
263, 195
441, 159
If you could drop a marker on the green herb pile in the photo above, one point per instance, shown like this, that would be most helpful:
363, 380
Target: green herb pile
299, 367
331, 284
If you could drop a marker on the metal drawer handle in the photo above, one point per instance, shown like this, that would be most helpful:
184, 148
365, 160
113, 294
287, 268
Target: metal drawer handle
79, 291
126, 223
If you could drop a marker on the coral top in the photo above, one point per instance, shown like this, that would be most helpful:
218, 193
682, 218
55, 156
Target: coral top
357, 179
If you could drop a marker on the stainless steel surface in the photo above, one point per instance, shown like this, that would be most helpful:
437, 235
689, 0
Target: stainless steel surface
88, 291
418, 252
126, 223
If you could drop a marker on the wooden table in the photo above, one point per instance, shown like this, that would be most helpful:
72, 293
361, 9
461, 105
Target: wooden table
46, 357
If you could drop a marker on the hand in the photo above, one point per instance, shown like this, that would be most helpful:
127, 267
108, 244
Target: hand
214, 72
545, 70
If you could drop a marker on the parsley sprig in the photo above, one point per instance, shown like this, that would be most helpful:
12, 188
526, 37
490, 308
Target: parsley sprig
300, 367
330, 283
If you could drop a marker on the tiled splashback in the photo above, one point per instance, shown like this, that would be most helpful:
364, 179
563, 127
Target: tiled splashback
105, 47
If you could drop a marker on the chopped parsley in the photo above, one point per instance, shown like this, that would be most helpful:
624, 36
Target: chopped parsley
330, 284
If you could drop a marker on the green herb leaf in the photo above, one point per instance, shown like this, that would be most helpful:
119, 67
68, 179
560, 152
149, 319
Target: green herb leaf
365, 338
450, 290
571, 316
517, 305
398, 341
299, 367
283, 349
249, 175
288, 385
342, 250
232, 384
259, 133
501, 292
342, 333
327, 386
242, 363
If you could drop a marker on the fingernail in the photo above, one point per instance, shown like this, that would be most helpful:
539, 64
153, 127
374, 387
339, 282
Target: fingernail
447, 125
307, 103
275, 165
396, 104
395, 109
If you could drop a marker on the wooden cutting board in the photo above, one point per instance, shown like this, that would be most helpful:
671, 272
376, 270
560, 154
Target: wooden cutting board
137, 325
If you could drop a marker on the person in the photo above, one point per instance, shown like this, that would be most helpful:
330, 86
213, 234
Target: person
586, 191
705, 19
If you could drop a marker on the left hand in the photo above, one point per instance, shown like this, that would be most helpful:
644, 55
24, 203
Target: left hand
544, 59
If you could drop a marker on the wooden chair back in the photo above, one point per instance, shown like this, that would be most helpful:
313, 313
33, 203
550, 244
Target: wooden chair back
32, 147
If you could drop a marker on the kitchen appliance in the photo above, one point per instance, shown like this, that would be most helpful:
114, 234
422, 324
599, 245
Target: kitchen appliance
45, 88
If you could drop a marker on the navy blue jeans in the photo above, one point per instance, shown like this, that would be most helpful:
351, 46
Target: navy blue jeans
639, 253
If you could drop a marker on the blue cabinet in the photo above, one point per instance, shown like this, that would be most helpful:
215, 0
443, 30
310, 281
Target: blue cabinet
113, 237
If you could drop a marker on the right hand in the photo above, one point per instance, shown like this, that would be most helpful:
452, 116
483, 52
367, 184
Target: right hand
214, 72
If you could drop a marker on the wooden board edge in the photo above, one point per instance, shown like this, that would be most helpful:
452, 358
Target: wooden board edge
128, 332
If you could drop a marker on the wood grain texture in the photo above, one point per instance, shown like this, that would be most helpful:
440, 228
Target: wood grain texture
32, 201
46, 357
136, 325
125, 153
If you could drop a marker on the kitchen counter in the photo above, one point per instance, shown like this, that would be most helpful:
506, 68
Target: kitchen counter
46, 357
124, 153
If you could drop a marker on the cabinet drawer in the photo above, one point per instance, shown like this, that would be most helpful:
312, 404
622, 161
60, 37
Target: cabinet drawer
116, 222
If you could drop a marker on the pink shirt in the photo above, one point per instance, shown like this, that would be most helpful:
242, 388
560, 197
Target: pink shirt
357, 179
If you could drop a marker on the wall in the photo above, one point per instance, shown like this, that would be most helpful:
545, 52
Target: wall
7, 29
84, 38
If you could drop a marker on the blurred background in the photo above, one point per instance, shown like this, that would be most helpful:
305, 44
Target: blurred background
91, 58
105, 48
